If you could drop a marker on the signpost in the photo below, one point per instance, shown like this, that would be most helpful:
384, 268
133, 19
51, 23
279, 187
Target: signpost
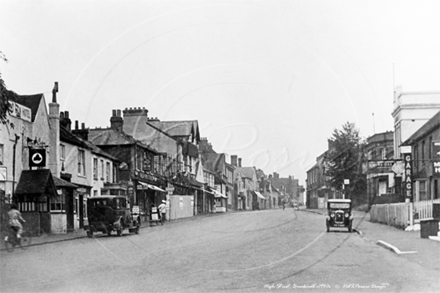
407, 161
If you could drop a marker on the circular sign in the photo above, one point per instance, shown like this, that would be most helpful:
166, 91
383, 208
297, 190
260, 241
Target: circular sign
37, 158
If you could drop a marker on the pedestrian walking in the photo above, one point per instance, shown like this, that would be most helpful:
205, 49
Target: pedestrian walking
163, 211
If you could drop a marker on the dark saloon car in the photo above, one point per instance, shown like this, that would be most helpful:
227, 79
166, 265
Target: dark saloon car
110, 213
339, 214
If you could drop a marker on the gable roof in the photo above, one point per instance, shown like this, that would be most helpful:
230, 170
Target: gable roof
67, 136
36, 182
30, 101
214, 162
111, 137
248, 172
432, 124
178, 128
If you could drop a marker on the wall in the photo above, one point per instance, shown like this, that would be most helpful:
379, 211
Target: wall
58, 223
411, 111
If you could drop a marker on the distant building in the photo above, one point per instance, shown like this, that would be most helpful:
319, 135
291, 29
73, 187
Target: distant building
381, 179
425, 146
411, 111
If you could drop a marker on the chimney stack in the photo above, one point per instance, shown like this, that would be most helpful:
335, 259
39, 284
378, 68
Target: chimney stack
239, 162
65, 120
54, 92
54, 134
234, 160
116, 121
82, 133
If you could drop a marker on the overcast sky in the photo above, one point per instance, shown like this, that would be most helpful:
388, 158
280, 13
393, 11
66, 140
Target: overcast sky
268, 81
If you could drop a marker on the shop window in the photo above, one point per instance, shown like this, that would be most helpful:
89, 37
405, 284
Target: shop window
58, 203
382, 188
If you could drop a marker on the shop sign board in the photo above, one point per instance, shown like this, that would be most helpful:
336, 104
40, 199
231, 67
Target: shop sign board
408, 174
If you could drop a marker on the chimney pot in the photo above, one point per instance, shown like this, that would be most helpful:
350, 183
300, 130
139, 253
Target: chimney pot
83, 125
76, 124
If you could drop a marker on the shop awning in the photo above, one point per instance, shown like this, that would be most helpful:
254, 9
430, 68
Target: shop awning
259, 195
218, 194
154, 187
143, 186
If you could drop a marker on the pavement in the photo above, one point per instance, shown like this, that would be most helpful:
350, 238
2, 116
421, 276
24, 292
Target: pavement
81, 233
407, 244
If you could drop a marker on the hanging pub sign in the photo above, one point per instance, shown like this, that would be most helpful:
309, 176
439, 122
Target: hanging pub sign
37, 157
408, 175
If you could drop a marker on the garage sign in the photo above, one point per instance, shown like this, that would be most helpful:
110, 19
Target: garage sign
408, 175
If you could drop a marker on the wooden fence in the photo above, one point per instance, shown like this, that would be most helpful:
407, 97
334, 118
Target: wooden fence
402, 214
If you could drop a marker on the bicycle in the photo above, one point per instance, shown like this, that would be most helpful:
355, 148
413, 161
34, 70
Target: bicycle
12, 240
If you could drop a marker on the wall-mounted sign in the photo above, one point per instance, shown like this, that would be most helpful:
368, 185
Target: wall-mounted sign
37, 157
436, 149
406, 149
436, 168
21, 111
408, 174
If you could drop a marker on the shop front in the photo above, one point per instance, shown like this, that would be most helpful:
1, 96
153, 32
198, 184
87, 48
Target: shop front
46, 202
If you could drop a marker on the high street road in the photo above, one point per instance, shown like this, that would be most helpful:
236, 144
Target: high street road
258, 251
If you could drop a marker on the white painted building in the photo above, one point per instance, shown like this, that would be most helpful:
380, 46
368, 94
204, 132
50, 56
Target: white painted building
410, 112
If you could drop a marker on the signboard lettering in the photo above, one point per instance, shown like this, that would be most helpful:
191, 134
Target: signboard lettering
436, 168
408, 175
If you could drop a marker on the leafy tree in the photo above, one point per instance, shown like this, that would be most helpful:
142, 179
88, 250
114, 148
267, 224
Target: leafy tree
5, 97
343, 160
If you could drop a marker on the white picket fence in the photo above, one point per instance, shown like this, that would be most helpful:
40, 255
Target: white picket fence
402, 214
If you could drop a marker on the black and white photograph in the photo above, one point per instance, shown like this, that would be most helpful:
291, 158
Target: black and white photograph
192, 146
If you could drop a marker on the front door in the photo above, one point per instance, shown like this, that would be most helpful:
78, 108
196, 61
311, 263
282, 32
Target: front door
81, 210
70, 210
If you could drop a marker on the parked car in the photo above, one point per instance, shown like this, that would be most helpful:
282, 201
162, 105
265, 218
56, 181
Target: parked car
339, 214
111, 213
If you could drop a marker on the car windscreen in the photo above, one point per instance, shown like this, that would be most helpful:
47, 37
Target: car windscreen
101, 202
339, 205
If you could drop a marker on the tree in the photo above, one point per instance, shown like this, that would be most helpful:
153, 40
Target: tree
343, 161
5, 97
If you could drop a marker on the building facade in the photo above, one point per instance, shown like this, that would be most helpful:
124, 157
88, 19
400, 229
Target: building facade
425, 151
411, 110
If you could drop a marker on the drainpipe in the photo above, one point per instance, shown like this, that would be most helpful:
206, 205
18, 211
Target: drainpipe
14, 200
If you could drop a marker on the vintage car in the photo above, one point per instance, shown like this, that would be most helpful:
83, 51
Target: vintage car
111, 213
339, 214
